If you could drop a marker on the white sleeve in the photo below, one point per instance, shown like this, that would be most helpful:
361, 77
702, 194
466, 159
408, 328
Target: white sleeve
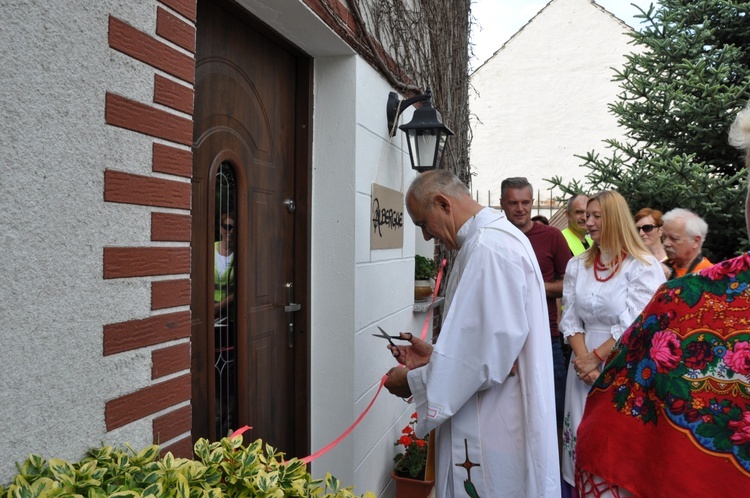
571, 323
642, 281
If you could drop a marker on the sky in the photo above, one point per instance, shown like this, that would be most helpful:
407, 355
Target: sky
498, 20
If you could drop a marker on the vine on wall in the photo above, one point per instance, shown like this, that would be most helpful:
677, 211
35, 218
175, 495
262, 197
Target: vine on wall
416, 44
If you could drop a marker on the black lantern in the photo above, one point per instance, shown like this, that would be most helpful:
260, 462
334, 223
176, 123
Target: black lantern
426, 134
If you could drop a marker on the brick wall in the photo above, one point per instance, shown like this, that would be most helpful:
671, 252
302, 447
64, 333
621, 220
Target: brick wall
171, 53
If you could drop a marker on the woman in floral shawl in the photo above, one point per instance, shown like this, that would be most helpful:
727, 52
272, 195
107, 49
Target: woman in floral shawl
670, 414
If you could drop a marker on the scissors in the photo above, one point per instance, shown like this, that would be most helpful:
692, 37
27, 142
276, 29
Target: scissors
384, 335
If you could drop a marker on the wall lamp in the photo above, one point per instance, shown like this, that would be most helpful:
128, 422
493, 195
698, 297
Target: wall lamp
426, 134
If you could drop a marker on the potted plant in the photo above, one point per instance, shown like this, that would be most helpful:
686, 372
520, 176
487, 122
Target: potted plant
425, 269
411, 463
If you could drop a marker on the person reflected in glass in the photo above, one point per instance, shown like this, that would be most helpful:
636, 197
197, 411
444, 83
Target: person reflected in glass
224, 267
224, 325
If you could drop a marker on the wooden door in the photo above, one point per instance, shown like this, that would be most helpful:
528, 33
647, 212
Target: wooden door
250, 349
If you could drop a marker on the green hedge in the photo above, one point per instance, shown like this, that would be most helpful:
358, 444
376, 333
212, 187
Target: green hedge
224, 468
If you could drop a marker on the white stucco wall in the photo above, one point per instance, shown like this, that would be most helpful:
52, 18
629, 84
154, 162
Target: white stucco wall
54, 381
355, 289
543, 97
57, 67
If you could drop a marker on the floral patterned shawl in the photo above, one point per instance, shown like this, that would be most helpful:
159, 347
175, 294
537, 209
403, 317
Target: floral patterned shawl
670, 414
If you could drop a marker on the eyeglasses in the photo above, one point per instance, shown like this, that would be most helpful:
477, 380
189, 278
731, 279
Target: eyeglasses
230, 228
647, 228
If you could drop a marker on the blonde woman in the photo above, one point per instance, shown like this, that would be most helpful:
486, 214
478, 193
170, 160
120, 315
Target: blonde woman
605, 289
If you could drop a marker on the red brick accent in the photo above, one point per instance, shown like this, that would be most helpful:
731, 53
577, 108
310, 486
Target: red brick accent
134, 406
180, 449
125, 262
128, 188
174, 29
336, 5
161, 53
173, 161
172, 424
167, 227
170, 360
140, 46
131, 115
185, 7
173, 94
170, 293
135, 334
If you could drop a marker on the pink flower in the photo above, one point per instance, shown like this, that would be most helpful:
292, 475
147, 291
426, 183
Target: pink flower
665, 351
729, 268
741, 429
738, 358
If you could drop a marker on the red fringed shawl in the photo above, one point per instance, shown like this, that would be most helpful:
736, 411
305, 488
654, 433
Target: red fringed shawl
670, 414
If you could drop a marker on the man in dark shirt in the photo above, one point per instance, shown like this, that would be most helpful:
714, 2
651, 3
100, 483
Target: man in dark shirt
552, 254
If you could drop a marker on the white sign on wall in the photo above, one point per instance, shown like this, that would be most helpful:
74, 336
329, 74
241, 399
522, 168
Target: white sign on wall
386, 218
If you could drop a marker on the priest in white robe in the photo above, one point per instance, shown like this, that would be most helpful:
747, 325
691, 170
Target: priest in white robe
487, 385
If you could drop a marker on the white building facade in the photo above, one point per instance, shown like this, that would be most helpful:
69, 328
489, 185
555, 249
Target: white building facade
543, 97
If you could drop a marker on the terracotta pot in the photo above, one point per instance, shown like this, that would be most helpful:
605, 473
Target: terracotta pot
407, 487
422, 289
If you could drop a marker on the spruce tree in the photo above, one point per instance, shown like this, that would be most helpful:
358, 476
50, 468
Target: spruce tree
680, 92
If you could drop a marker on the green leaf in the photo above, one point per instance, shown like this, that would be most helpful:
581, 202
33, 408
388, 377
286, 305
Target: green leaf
331, 482
156, 490
62, 471
125, 494
96, 493
149, 454
181, 488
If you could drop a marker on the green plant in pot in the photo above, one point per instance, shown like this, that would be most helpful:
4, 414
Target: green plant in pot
425, 269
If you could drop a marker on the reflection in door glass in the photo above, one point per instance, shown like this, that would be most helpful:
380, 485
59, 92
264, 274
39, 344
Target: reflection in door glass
225, 323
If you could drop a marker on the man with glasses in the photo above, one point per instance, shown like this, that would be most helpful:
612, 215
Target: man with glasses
684, 233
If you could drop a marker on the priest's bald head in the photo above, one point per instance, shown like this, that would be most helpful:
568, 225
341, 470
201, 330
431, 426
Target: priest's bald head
439, 204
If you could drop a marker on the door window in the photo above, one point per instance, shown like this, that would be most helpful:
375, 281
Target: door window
226, 265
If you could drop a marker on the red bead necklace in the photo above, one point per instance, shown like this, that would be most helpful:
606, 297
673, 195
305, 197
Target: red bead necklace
599, 266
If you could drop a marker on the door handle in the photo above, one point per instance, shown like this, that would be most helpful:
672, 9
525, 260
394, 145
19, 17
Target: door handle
289, 309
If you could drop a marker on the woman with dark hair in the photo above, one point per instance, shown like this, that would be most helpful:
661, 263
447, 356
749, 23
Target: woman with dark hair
605, 288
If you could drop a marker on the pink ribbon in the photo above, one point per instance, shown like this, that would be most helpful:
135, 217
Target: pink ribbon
426, 326
348, 431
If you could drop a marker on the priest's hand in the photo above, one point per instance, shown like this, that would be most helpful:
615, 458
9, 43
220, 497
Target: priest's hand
397, 383
415, 355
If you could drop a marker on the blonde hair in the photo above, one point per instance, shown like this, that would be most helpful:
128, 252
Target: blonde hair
618, 233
